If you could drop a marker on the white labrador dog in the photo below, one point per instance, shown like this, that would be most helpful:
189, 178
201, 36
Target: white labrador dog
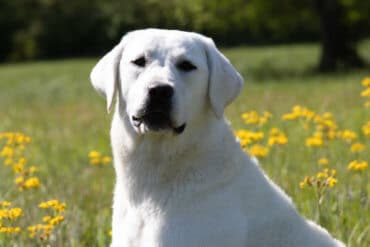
182, 178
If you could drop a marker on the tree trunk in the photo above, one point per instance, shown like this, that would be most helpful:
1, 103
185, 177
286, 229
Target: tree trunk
338, 49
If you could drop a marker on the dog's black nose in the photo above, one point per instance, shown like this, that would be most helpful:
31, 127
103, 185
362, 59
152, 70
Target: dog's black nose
160, 91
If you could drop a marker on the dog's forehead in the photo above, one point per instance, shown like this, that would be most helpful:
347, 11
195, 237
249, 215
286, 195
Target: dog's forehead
155, 43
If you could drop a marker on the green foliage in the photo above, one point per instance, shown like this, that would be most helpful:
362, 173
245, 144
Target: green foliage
53, 28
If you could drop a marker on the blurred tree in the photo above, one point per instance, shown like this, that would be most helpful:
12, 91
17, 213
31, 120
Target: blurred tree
282, 20
338, 42
71, 27
341, 22
60, 28
13, 19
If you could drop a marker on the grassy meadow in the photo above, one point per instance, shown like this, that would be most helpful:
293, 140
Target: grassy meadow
53, 103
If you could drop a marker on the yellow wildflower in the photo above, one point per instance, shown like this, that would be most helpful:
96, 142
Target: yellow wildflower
44, 230
357, 165
32, 230
47, 229
247, 137
277, 137
321, 180
11, 214
347, 135
5, 204
254, 118
290, 116
7, 152
18, 167
327, 115
326, 125
3, 213
307, 181
258, 150
15, 213
44, 205
8, 161
32, 169
19, 180
56, 220
251, 117
60, 207
95, 161
366, 129
48, 204
46, 218
266, 115
357, 147
299, 112
315, 141
16, 138
330, 134
321, 175
106, 160
55, 204
366, 82
32, 182
323, 161
331, 172
366, 92
10, 230
304, 112
332, 181
94, 154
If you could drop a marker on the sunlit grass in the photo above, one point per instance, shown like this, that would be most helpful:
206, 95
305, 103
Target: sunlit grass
53, 103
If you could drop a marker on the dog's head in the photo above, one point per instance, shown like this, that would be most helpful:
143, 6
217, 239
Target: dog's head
166, 79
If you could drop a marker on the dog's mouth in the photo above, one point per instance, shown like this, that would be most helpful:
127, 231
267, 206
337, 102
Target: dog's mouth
156, 121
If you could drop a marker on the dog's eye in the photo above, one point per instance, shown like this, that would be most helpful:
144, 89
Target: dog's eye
186, 66
141, 62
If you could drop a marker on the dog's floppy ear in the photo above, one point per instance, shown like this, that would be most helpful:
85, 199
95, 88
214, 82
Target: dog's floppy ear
105, 75
224, 81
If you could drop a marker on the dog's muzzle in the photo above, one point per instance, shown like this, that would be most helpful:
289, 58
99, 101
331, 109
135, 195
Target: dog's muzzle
156, 114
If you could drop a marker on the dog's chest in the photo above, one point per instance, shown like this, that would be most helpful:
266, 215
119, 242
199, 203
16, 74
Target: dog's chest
182, 229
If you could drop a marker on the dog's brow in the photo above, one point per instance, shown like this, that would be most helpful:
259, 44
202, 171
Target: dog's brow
149, 53
182, 54
183, 57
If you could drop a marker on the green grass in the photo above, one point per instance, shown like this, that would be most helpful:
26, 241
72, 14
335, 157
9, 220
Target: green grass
54, 103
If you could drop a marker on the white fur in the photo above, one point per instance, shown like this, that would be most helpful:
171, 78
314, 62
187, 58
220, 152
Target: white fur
197, 188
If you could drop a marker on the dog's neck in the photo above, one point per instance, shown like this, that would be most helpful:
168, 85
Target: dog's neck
160, 166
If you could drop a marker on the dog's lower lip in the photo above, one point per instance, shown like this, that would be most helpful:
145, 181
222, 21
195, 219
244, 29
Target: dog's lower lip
180, 129
136, 121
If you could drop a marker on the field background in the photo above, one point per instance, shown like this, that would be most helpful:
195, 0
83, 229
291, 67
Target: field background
53, 103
